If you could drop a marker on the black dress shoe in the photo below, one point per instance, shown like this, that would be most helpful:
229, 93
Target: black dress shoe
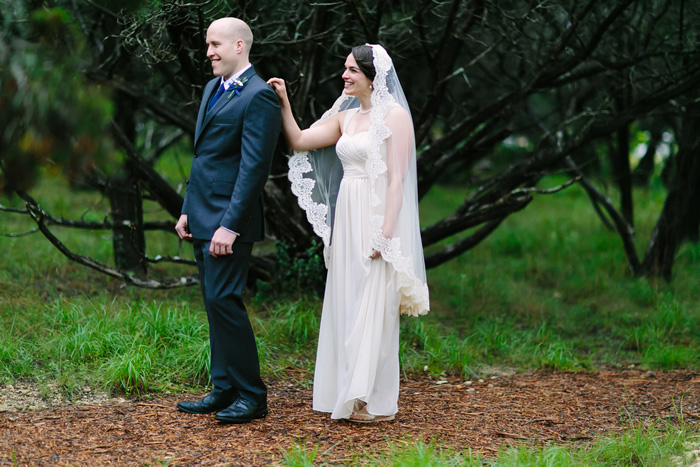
208, 404
241, 411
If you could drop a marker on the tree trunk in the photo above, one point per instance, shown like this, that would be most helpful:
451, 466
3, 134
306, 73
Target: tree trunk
621, 173
126, 202
129, 241
680, 217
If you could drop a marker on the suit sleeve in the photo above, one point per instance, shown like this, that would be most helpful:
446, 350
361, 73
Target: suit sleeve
184, 204
261, 127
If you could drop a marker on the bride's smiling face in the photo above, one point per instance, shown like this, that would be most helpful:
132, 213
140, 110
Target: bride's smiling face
356, 83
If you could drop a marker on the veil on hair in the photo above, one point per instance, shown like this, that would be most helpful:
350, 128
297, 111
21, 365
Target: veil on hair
391, 167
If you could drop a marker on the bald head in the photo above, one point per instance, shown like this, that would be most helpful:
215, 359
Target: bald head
228, 44
234, 29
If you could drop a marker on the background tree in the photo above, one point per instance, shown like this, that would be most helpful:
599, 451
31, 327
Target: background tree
502, 93
50, 113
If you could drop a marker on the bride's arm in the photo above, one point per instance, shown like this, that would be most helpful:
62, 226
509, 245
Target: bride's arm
316, 137
400, 148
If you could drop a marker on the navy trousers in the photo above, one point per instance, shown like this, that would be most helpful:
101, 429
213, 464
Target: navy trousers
235, 368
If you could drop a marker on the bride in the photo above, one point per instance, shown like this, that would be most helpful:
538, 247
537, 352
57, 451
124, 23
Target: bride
354, 173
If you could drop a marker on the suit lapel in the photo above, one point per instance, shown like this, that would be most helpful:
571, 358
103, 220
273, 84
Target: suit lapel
223, 101
206, 95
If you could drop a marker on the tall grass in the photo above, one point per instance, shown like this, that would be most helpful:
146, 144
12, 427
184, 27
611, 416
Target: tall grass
549, 289
132, 347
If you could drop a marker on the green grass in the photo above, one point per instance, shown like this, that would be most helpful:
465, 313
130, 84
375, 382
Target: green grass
132, 347
404, 453
550, 289
642, 445
654, 444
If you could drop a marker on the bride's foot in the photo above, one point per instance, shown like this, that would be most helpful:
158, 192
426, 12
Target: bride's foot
359, 405
362, 416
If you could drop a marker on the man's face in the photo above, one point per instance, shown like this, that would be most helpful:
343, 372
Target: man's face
223, 50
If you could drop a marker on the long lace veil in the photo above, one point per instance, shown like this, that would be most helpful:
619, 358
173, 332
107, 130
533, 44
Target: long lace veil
391, 167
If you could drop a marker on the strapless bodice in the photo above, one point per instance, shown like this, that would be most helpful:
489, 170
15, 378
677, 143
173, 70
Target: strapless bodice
352, 152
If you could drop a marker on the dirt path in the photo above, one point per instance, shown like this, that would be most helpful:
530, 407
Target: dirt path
483, 415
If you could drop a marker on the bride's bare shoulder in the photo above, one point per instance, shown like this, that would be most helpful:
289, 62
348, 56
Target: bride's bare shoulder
340, 116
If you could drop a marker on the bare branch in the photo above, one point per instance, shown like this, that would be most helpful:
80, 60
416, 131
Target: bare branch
624, 230
456, 223
13, 210
453, 250
158, 107
171, 259
548, 191
18, 235
39, 217
166, 226
159, 188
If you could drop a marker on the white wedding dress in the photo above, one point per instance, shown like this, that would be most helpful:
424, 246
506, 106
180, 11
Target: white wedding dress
358, 345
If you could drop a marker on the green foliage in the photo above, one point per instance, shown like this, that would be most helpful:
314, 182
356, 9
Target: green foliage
642, 445
299, 456
51, 115
287, 334
302, 273
525, 299
406, 453
532, 456
650, 444
550, 289
421, 454
132, 347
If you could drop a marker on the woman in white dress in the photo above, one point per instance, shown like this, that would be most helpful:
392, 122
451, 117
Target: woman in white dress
354, 172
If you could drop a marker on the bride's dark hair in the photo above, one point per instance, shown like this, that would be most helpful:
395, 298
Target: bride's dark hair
364, 58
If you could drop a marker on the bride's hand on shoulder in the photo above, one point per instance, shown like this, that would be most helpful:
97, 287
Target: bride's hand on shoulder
279, 86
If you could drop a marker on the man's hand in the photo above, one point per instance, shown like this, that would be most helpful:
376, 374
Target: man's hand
222, 242
181, 228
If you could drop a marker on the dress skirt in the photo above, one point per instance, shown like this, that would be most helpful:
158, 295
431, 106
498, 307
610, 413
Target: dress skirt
358, 345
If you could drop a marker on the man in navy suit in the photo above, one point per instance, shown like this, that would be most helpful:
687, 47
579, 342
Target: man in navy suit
237, 129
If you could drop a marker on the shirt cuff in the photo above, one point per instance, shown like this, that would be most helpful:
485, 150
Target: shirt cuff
229, 230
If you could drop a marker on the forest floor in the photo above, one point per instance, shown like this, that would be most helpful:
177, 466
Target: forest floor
484, 415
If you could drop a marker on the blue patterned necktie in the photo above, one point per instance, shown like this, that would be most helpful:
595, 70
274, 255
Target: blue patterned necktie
216, 97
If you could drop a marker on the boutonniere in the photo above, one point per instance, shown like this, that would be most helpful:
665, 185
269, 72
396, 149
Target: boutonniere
236, 87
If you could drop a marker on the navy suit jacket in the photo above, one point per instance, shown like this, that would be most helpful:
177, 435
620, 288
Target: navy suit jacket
233, 147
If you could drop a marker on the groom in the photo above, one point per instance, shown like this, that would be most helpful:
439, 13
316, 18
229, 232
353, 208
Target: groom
236, 133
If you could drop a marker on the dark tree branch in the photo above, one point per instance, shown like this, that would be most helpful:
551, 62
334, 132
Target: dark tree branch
159, 188
18, 235
13, 210
173, 259
483, 213
463, 219
166, 226
623, 228
456, 249
163, 110
40, 218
